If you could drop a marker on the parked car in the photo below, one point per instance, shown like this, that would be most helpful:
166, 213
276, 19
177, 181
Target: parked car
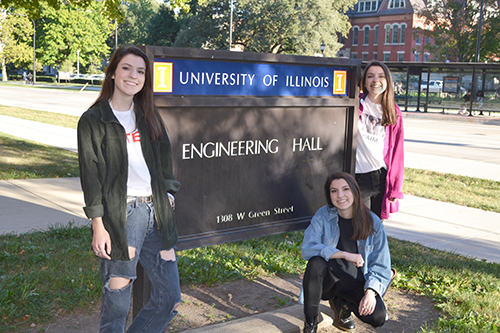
97, 77
435, 86
76, 76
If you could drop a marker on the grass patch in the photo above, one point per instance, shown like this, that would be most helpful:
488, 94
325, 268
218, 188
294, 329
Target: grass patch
45, 273
461, 190
51, 118
23, 159
467, 291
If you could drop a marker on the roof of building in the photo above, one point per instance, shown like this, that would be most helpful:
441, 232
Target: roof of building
411, 6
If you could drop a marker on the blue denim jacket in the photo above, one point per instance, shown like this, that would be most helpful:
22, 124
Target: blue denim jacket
321, 238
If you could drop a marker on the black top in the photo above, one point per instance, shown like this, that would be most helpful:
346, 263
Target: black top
348, 245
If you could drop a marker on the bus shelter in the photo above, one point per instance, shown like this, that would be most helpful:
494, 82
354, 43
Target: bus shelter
441, 86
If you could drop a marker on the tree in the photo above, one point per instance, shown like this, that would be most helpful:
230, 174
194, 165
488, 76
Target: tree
69, 29
163, 27
66, 66
111, 8
133, 31
269, 26
16, 34
454, 24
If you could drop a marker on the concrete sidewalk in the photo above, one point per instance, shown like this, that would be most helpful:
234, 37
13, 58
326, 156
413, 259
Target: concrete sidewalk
444, 226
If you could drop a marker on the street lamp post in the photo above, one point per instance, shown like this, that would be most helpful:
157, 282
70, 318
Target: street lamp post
34, 43
231, 25
478, 44
78, 62
322, 47
478, 54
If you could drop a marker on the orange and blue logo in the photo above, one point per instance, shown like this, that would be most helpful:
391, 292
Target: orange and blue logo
163, 77
339, 82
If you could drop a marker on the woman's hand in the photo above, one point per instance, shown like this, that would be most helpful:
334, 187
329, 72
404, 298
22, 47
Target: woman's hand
368, 303
171, 199
355, 258
101, 242
393, 200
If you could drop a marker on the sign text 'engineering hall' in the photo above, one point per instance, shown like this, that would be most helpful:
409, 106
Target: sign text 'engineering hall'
218, 78
245, 148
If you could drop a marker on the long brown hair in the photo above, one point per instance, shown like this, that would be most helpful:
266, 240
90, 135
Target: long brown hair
362, 220
143, 98
390, 115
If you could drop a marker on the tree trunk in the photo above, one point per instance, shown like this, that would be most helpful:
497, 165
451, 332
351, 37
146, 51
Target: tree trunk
4, 71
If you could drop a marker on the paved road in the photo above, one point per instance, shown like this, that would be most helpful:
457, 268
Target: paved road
458, 147
462, 140
64, 101
470, 148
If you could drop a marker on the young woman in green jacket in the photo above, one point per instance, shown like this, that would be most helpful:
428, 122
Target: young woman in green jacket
128, 185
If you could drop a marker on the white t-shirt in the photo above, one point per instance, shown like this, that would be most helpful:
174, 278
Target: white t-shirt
139, 179
371, 137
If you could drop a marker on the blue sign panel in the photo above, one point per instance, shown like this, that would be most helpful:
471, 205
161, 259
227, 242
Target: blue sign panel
218, 78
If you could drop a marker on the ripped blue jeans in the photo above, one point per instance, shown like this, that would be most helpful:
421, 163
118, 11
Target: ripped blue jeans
143, 235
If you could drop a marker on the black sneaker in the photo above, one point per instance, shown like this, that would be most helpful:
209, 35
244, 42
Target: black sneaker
343, 320
311, 326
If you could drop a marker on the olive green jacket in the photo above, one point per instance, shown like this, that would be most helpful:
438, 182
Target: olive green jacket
102, 155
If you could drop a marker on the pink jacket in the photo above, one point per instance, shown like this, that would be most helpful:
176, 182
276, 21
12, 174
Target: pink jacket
394, 160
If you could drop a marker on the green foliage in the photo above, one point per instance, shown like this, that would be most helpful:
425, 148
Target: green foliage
16, 40
110, 8
163, 27
267, 26
455, 25
67, 66
133, 31
68, 29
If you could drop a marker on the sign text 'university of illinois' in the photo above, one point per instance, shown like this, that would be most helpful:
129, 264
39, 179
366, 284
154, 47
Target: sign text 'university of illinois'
219, 78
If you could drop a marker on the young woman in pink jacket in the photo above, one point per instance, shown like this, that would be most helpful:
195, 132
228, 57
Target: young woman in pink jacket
380, 149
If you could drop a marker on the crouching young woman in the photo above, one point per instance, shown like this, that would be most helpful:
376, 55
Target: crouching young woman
348, 256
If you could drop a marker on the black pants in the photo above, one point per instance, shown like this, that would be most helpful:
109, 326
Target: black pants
325, 280
372, 186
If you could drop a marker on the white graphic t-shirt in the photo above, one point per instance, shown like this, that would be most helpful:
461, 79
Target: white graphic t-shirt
139, 179
371, 136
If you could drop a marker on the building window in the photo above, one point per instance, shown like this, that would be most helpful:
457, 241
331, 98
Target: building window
354, 55
403, 32
417, 40
417, 57
395, 33
367, 6
401, 56
375, 42
387, 34
396, 4
366, 36
375, 56
427, 40
426, 57
364, 56
387, 56
342, 39
355, 36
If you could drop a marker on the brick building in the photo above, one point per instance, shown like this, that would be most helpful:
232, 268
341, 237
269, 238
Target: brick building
384, 30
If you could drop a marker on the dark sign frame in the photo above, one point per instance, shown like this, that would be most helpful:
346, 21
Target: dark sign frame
174, 107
